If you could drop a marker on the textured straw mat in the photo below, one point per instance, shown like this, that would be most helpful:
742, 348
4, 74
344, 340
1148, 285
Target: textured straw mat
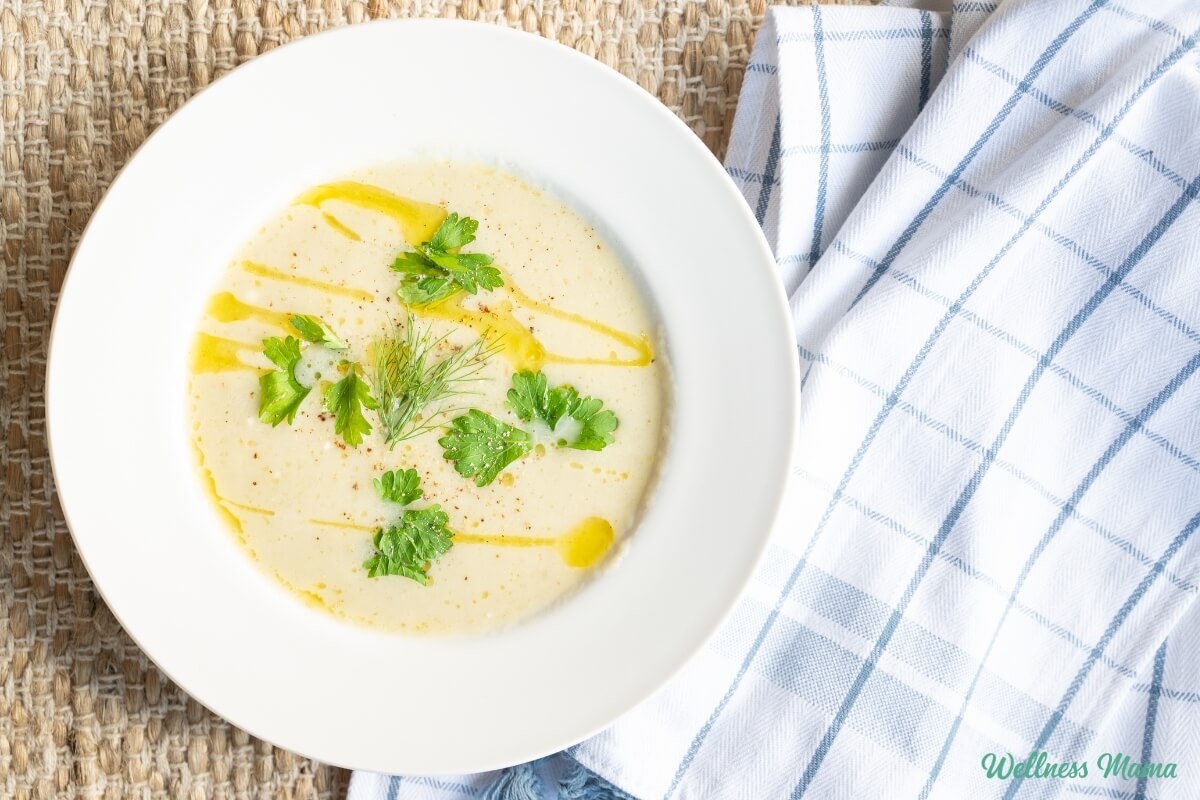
82, 83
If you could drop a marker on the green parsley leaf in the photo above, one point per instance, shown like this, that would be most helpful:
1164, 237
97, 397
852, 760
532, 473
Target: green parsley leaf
532, 396
481, 446
423, 283
425, 290
407, 548
401, 486
314, 330
346, 400
282, 393
454, 232
598, 425
432, 272
471, 271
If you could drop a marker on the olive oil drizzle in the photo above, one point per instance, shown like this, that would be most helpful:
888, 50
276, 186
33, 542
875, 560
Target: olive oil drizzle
340, 227
209, 482
217, 354
310, 597
262, 512
418, 222
585, 544
225, 307
639, 344
522, 349
263, 271
350, 526
581, 547
520, 346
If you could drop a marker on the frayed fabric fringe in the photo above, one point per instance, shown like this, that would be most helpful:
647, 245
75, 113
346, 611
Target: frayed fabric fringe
580, 783
516, 783
575, 782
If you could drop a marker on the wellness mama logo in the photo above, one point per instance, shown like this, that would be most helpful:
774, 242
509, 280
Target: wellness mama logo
1038, 765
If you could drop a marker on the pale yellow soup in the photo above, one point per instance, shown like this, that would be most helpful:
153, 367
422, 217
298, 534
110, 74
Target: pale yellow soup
301, 502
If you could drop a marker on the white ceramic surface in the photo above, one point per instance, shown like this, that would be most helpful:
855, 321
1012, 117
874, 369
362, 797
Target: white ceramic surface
117, 378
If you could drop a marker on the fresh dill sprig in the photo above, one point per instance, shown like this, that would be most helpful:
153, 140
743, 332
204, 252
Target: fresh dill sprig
412, 381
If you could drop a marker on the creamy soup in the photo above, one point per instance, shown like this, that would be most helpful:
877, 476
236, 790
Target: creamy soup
346, 379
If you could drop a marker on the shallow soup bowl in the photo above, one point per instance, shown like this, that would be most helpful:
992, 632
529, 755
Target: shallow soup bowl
118, 376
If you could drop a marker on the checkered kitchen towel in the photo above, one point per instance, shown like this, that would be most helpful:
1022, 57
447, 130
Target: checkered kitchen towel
987, 223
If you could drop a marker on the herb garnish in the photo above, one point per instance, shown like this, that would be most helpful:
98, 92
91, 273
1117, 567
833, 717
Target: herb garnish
408, 547
282, 393
346, 400
314, 330
482, 446
532, 396
399, 486
409, 377
432, 272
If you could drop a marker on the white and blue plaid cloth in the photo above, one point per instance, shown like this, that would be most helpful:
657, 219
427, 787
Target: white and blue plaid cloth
986, 220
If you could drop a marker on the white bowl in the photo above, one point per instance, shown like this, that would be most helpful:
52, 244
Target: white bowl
117, 382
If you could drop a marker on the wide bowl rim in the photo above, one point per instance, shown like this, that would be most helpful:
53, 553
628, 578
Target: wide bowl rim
314, 43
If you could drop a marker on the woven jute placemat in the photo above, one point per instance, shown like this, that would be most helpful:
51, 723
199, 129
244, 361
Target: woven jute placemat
82, 83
